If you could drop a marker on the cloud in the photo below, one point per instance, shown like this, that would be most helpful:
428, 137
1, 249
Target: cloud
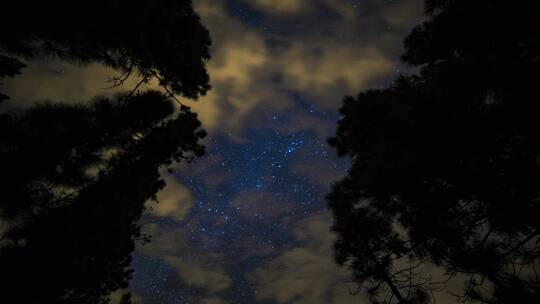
202, 275
294, 8
306, 273
174, 201
213, 300
241, 72
403, 14
116, 297
238, 80
325, 68
196, 268
248, 71
280, 6
60, 81
239, 59
208, 169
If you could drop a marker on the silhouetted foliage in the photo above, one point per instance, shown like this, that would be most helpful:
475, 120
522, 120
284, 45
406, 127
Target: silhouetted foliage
75, 178
9, 67
445, 164
163, 39
75, 181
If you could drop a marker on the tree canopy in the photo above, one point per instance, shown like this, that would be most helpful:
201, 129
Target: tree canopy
445, 164
75, 178
163, 39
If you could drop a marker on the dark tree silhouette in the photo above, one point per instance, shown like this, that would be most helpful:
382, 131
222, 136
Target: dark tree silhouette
445, 164
163, 39
75, 178
9, 67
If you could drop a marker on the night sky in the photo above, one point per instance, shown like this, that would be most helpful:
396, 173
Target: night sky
247, 223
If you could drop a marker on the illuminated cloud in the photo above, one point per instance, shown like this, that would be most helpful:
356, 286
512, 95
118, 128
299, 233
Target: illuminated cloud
198, 269
324, 69
209, 169
346, 10
246, 73
241, 72
280, 6
306, 273
200, 274
290, 8
174, 201
239, 59
60, 81
116, 297
403, 14
212, 301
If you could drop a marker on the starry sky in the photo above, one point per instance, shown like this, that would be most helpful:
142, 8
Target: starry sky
247, 222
